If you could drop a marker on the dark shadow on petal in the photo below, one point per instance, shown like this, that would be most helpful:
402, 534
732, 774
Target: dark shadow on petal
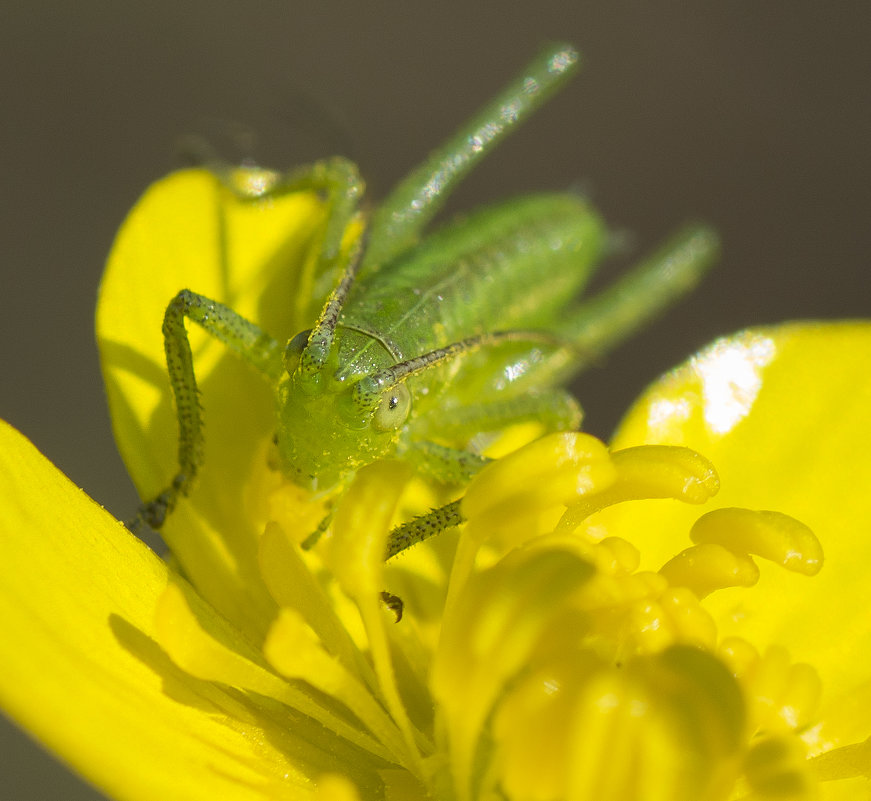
177, 684
310, 748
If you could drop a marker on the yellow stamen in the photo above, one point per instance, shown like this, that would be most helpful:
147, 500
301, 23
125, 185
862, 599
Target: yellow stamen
490, 634
665, 727
776, 767
615, 555
676, 616
553, 471
782, 694
521, 496
708, 567
649, 471
772, 535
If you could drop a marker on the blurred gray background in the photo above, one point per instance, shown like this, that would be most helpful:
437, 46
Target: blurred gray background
754, 116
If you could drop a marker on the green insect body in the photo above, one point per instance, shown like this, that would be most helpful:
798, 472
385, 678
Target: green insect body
481, 276
426, 343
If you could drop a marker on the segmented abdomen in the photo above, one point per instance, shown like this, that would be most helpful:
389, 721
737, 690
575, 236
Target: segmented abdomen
510, 267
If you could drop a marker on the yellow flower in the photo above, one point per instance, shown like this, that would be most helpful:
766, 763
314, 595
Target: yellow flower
639, 622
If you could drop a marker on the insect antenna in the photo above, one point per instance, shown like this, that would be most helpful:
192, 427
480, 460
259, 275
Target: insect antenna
368, 390
320, 340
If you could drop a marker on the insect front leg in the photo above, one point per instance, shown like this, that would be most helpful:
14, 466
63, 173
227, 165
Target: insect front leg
337, 181
422, 528
255, 347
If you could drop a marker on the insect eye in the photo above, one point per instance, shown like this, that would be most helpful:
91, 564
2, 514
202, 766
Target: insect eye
394, 408
294, 350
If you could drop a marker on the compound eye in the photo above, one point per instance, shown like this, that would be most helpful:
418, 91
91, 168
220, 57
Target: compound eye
394, 408
294, 350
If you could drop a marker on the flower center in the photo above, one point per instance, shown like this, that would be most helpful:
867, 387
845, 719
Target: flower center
535, 660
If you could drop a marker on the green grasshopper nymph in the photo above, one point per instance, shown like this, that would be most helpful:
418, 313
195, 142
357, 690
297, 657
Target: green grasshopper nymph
427, 342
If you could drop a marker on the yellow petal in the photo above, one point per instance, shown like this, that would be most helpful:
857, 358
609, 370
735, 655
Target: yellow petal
81, 669
190, 231
355, 554
209, 649
783, 414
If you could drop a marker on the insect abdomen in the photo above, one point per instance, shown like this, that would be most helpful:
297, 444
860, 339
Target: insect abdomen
512, 266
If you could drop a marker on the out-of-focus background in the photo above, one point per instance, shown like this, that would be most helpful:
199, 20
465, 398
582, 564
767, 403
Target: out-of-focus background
753, 116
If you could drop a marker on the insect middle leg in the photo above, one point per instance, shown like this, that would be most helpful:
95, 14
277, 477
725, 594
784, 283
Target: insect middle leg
248, 341
553, 407
340, 181
556, 409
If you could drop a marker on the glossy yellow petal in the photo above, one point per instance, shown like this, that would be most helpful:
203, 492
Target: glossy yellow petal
191, 231
82, 672
785, 416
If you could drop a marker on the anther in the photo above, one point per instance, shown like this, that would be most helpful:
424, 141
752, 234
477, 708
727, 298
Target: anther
708, 567
650, 471
772, 535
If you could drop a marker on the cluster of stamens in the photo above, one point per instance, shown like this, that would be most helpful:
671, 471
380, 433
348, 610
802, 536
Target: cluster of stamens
535, 659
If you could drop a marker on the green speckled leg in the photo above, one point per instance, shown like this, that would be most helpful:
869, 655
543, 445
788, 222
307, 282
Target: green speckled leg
422, 528
644, 293
340, 181
554, 408
256, 348
447, 465
400, 219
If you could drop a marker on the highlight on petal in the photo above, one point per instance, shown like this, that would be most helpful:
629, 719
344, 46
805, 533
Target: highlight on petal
220, 239
783, 413
82, 670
